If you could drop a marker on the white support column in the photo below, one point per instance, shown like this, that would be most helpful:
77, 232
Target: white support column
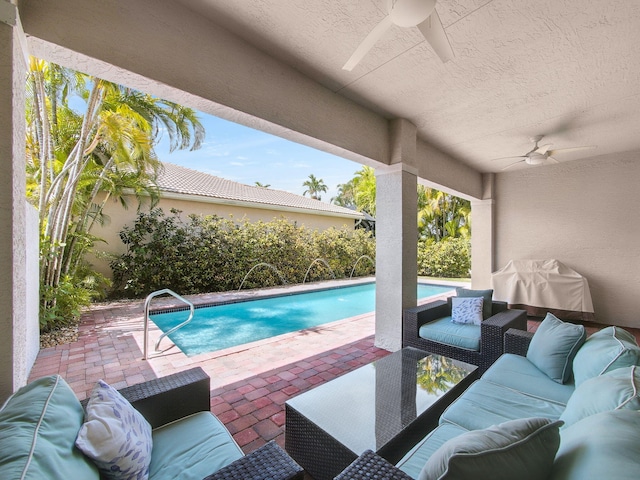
396, 236
482, 235
13, 357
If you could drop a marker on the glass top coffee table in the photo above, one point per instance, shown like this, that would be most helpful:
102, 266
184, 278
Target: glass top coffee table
386, 406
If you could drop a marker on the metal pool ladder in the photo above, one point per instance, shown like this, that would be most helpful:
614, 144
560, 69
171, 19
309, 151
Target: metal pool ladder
147, 303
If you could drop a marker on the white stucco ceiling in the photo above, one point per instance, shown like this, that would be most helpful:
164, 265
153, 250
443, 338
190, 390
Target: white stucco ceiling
566, 69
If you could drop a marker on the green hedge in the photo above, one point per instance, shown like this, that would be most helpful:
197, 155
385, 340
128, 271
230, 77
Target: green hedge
211, 254
449, 258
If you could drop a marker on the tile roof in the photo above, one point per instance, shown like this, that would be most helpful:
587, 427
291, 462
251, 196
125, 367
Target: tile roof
185, 181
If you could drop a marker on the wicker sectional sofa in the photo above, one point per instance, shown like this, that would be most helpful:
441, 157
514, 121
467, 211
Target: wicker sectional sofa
595, 412
39, 425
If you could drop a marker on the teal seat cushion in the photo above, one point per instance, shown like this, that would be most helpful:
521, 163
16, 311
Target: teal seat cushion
415, 459
553, 347
484, 404
606, 350
486, 295
191, 448
602, 446
615, 390
518, 373
38, 428
524, 449
444, 331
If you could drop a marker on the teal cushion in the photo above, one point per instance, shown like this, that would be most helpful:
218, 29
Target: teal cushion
444, 331
38, 428
487, 298
466, 310
414, 460
484, 404
517, 373
602, 446
192, 448
606, 350
615, 390
522, 449
553, 346
115, 435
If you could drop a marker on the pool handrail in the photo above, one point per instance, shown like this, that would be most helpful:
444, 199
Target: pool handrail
147, 304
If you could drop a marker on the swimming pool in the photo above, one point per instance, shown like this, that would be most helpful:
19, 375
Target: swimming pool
224, 326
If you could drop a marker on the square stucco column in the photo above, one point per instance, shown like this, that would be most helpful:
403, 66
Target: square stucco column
482, 236
396, 236
13, 358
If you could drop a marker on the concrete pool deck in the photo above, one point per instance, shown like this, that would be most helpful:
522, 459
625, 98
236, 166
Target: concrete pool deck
249, 383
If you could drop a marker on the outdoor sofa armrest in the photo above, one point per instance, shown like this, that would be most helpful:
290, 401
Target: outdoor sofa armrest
163, 400
371, 466
497, 307
517, 341
268, 462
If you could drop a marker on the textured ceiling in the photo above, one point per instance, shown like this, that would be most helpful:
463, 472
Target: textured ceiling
566, 69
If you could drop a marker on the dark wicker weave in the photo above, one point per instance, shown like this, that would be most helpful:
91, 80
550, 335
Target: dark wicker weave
322, 456
163, 400
370, 466
491, 336
269, 462
517, 341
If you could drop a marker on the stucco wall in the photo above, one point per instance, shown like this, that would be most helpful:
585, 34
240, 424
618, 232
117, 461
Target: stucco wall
584, 213
119, 217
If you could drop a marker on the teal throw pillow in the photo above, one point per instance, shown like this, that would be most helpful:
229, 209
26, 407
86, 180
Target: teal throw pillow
466, 310
522, 449
605, 350
553, 347
615, 390
487, 297
599, 447
38, 428
115, 435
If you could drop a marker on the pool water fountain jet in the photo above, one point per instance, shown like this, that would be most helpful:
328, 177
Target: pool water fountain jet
319, 260
356, 264
263, 264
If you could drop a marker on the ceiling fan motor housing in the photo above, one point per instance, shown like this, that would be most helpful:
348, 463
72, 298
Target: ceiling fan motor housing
409, 13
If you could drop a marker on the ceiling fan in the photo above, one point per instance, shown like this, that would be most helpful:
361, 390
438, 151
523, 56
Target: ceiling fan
407, 13
539, 155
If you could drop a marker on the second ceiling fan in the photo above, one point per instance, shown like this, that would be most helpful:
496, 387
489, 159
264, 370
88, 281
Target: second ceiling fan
407, 13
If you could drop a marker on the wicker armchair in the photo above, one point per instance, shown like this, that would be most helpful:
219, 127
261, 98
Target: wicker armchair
166, 399
492, 332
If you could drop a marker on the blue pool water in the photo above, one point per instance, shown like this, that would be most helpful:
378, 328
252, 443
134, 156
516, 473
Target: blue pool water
223, 326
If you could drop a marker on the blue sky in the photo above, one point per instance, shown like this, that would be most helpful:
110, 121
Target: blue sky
244, 155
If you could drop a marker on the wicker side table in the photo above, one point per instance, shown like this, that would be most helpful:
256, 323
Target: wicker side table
370, 466
269, 462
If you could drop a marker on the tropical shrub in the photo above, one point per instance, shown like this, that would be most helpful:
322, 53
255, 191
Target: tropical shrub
449, 258
211, 254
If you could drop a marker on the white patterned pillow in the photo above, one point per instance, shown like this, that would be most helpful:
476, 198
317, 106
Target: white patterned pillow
466, 310
115, 435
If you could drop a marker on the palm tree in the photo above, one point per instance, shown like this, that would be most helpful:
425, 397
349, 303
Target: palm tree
72, 157
262, 185
314, 187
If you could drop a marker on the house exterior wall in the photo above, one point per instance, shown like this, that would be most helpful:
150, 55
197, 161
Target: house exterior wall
584, 213
119, 217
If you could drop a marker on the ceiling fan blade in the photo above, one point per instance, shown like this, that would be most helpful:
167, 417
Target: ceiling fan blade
512, 164
552, 160
368, 43
433, 31
508, 158
571, 149
543, 149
